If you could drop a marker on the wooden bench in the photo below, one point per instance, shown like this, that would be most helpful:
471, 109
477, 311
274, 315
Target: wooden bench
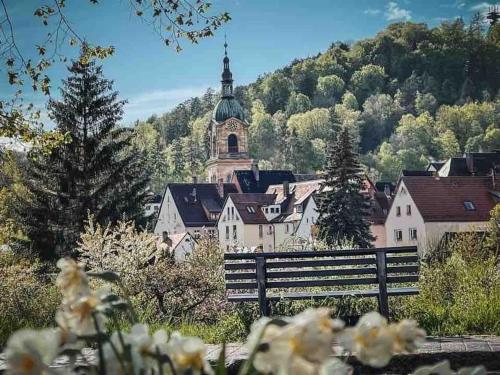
265, 277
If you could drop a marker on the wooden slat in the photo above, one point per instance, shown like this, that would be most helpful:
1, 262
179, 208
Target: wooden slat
318, 254
241, 285
402, 279
402, 269
320, 282
321, 263
302, 274
239, 266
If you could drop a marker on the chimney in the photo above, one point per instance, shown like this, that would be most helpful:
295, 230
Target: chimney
166, 239
220, 187
194, 194
387, 190
286, 188
469, 161
195, 179
255, 170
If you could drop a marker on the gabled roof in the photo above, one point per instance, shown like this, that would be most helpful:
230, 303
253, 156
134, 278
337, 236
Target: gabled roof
442, 198
249, 184
472, 164
193, 201
249, 206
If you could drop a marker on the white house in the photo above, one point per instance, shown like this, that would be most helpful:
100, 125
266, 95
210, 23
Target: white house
192, 208
426, 208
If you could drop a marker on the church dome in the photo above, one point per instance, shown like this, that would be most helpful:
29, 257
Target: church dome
226, 108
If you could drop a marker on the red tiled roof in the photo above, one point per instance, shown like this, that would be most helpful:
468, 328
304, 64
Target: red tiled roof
442, 198
255, 201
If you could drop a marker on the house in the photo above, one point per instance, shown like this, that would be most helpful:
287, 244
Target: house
471, 164
280, 217
178, 245
191, 208
243, 225
152, 205
425, 209
257, 181
299, 212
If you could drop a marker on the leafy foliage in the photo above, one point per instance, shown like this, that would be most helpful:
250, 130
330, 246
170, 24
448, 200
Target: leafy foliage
409, 95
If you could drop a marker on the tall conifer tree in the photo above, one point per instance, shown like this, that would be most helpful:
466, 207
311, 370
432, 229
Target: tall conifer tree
342, 208
98, 171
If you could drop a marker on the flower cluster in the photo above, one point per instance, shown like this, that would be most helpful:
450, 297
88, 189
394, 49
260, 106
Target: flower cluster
299, 345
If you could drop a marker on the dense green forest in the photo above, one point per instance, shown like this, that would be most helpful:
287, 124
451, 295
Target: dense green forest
409, 95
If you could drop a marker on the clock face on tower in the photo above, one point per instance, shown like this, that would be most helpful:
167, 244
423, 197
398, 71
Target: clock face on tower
232, 125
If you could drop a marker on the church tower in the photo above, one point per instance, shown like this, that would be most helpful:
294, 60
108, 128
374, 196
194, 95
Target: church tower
228, 133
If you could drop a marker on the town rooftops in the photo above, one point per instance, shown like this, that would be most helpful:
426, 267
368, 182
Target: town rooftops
472, 164
195, 201
249, 206
459, 199
256, 181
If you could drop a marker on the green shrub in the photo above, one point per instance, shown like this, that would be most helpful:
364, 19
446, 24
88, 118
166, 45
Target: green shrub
28, 299
459, 294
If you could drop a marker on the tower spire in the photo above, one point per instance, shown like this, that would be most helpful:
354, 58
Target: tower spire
227, 76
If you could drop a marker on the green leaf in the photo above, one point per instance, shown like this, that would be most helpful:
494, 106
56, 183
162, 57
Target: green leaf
221, 362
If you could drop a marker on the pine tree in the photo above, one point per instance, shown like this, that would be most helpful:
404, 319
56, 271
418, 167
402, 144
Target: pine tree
98, 171
342, 208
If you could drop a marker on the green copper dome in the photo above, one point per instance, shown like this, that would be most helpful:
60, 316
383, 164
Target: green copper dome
226, 108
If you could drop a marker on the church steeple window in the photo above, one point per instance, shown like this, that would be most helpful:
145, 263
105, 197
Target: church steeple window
232, 143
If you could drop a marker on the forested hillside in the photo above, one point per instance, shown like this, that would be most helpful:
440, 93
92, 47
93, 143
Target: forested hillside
409, 95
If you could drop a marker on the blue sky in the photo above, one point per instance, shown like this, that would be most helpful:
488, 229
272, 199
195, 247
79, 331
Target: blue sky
263, 35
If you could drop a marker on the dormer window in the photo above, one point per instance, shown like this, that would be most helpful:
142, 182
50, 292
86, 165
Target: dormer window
250, 210
298, 208
469, 206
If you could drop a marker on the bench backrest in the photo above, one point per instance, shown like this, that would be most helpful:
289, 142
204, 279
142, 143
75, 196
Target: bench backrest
371, 269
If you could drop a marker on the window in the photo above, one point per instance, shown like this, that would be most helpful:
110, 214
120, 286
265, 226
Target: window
235, 234
260, 231
398, 211
408, 209
227, 232
232, 143
413, 233
228, 213
287, 228
232, 213
250, 209
298, 208
272, 210
307, 220
469, 206
277, 210
398, 235
266, 210
270, 230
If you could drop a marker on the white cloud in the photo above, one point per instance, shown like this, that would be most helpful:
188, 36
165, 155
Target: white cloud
372, 12
483, 6
457, 4
157, 102
394, 12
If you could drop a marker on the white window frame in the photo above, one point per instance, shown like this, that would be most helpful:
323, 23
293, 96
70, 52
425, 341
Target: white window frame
396, 231
413, 234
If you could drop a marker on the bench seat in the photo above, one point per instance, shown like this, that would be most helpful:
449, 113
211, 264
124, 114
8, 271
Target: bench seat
253, 297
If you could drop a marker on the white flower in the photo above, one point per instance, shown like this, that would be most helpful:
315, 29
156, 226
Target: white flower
443, 368
30, 352
72, 280
81, 316
335, 366
371, 340
407, 336
142, 348
299, 347
188, 353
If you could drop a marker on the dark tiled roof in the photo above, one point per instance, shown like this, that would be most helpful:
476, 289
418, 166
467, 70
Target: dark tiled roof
407, 172
436, 165
442, 198
380, 186
248, 183
474, 163
194, 201
249, 206
153, 198
379, 208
